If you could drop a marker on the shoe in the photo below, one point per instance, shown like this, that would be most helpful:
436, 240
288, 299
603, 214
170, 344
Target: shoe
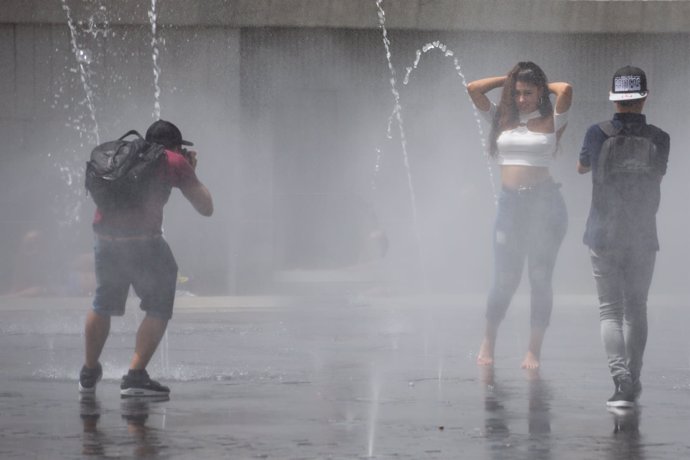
138, 383
624, 395
88, 378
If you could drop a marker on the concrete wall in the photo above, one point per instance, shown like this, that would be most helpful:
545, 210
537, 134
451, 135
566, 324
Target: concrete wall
587, 16
291, 127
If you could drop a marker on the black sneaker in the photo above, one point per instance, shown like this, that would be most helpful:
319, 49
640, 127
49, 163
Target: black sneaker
138, 383
88, 378
624, 395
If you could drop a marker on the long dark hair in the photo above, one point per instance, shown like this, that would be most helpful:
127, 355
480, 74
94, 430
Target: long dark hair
507, 115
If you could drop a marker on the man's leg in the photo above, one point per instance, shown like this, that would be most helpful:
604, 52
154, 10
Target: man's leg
112, 286
608, 273
155, 285
638, 278
149, 335
609, 288
137, 381
96, 333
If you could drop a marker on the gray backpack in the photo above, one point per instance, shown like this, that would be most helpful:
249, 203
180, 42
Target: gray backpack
628, 153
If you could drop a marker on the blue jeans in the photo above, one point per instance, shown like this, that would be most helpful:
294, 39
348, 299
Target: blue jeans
530, 224
623, 277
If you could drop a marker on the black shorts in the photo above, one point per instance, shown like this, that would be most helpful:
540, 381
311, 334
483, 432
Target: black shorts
146, 264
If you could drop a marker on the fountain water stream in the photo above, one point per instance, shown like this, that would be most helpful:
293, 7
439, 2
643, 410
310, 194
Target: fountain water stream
403, 139
396, 117
450, 54
373, 413
84, 58
153, 19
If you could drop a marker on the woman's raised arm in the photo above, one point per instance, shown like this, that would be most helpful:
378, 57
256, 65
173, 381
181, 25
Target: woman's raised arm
477, 90
564, 95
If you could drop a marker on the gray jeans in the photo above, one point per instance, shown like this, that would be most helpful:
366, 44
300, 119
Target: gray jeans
623, 278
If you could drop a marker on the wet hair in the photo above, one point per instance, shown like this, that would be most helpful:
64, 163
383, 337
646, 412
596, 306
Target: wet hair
507, 115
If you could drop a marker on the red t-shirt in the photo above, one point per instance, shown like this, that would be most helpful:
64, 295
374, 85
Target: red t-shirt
147, 220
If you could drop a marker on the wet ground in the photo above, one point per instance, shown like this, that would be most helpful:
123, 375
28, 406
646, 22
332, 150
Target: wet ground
340, 377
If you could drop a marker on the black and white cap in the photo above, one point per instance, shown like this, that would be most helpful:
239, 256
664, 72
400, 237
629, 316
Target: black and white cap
629, 83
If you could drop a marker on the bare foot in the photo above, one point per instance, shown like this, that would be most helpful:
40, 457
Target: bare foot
487, 374
486, 354
532, 375
530, 362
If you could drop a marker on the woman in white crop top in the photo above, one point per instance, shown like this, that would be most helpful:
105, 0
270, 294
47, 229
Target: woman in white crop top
531, 220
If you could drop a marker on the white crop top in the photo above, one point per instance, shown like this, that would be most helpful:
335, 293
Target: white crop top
522, 147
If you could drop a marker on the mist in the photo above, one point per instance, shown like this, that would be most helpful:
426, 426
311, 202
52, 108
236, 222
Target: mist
299, 146
333, 304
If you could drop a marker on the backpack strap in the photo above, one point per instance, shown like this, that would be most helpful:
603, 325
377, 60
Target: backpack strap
129, 133
608, 128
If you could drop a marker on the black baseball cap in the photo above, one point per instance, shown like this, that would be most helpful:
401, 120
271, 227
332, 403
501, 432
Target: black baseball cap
629, 83
166, 134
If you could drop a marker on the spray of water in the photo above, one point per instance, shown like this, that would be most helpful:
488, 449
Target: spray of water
83, 57
397, 106
377, 167
450, 54
165, 354
97, 25
373, 413
403, 138
153, 19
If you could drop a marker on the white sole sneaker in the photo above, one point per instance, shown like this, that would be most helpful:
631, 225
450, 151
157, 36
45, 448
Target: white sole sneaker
620, 404
141, 392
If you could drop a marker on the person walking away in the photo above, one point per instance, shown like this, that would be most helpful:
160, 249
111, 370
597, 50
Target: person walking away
627, 158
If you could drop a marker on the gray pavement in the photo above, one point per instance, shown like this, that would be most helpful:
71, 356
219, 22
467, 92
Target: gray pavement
339, 377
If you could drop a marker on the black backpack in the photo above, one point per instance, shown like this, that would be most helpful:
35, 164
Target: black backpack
118, 175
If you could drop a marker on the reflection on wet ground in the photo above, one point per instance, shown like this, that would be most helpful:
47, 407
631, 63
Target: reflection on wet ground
338, 378
538, 419
141, 437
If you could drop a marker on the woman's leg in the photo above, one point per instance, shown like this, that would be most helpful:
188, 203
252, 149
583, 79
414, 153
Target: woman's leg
549, 225
509, 259
485, 357
533, 355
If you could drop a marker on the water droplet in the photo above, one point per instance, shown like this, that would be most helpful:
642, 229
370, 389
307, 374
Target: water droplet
84, 56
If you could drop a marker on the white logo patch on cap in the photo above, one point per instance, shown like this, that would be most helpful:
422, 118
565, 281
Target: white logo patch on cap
627, 83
